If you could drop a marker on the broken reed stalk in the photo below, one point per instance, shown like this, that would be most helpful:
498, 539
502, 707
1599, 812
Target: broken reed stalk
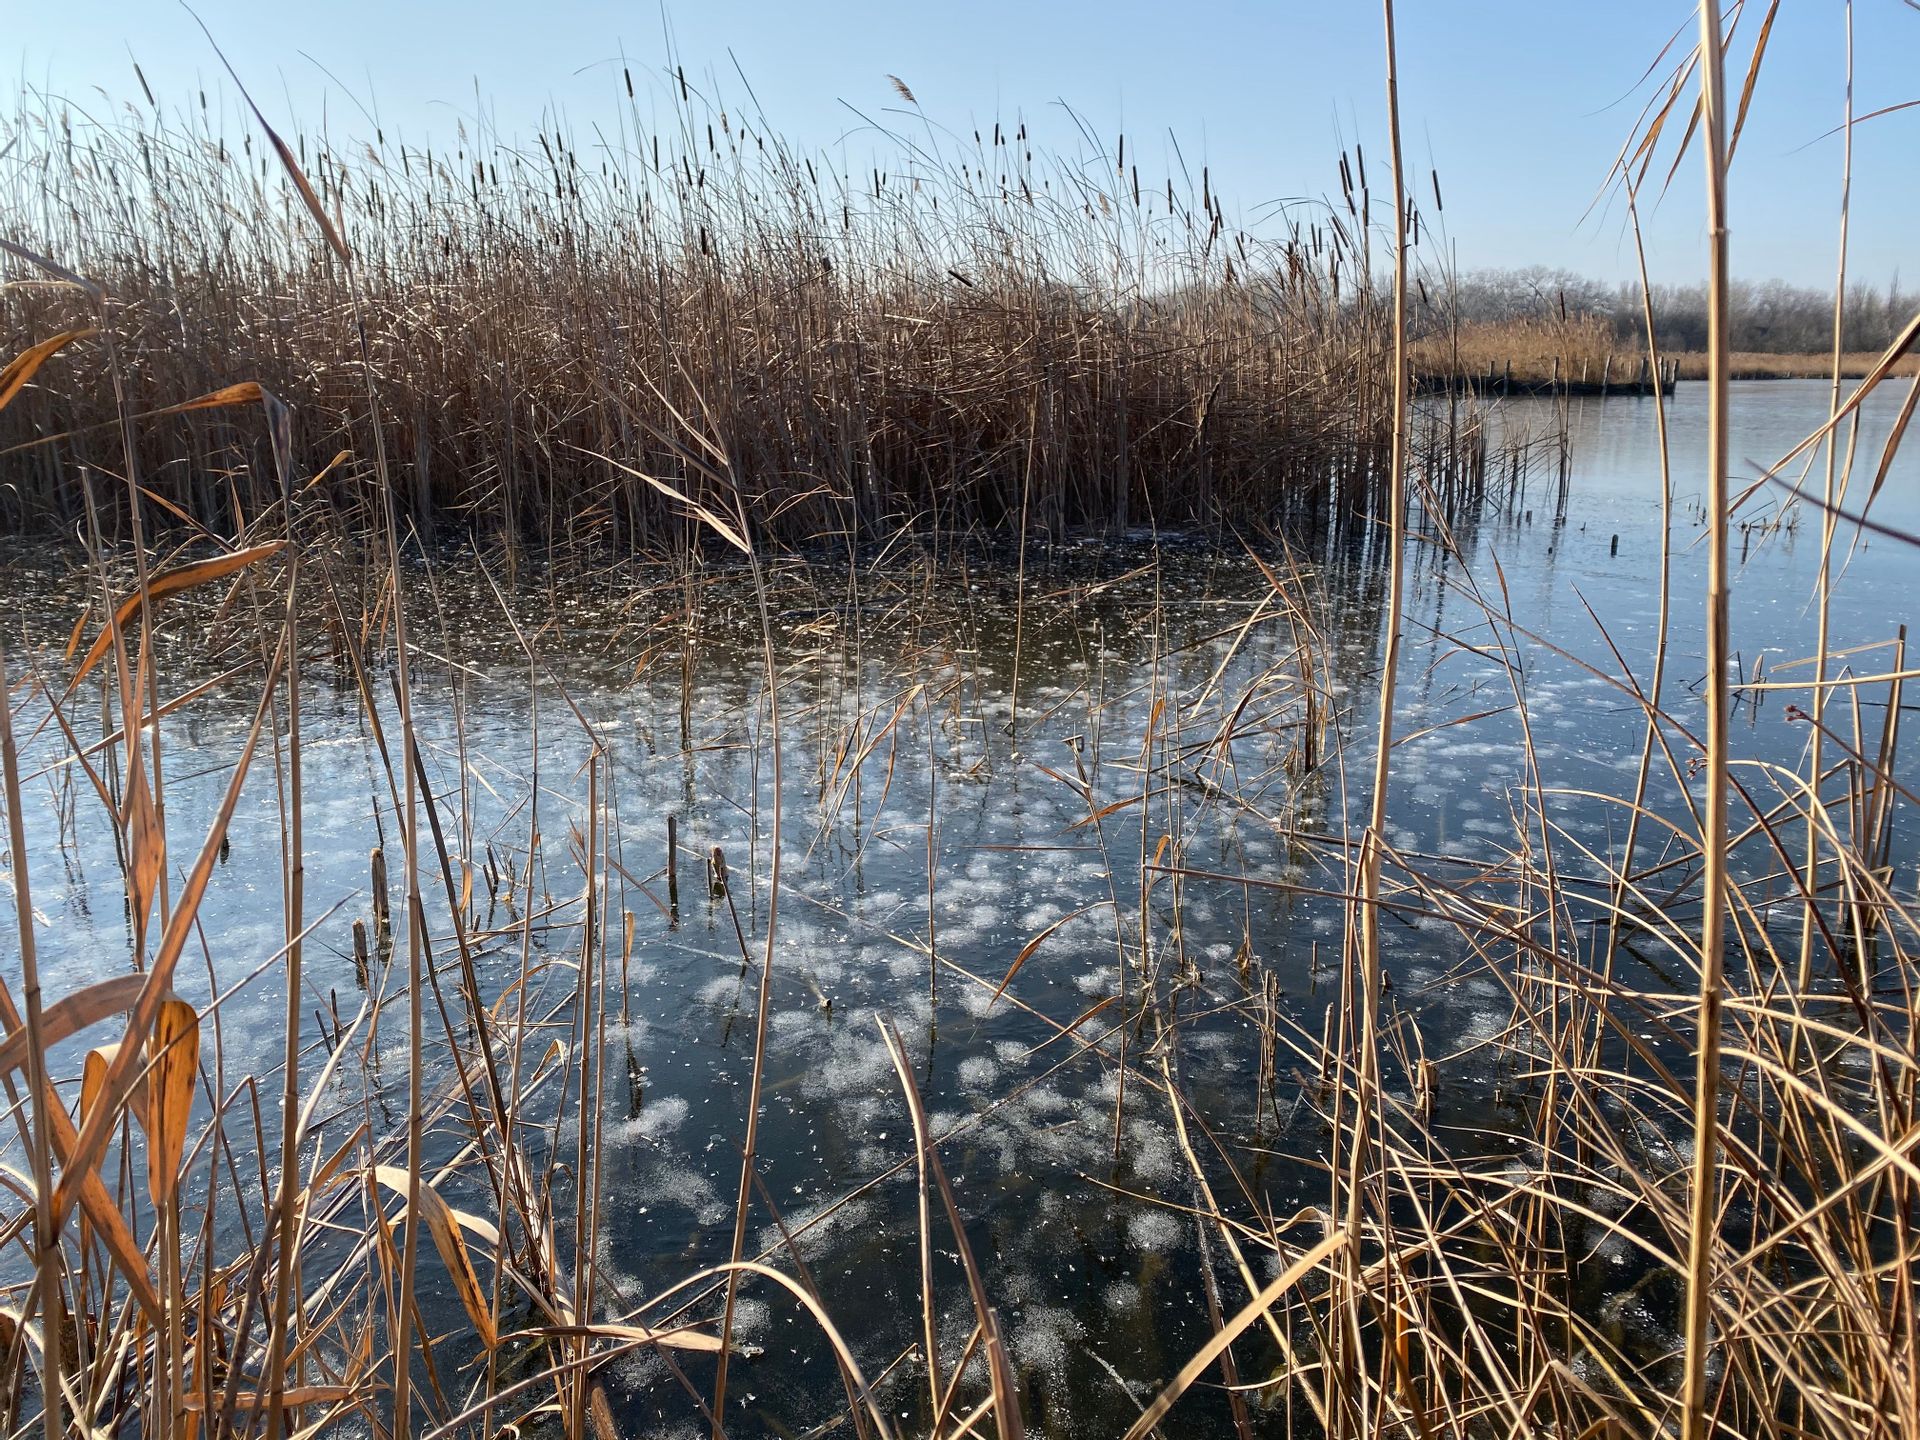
1703, 1203
1833, 487
673, 866
1656, 684
1020, 574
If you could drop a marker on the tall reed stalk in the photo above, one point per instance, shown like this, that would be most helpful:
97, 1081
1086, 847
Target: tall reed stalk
1368, 982
1704, 1195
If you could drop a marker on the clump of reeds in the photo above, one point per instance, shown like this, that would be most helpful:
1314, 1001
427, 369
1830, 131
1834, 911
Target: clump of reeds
1735, 1121
979, 332
1574, 350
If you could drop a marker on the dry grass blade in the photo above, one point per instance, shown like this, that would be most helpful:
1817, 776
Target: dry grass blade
71, 1014
1232, 1330
246, 1400
93, 1077
245, 392
1892, 446
1753, 78
53, 268
1027, 950
281, 149
711, 519
675, 1338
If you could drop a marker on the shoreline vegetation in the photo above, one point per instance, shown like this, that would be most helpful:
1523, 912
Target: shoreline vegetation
292, 363
1582, 356
1758, 365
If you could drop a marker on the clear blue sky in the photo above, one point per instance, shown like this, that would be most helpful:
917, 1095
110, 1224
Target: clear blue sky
1521, 106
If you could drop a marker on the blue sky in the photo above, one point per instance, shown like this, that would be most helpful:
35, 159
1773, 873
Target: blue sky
1520, 106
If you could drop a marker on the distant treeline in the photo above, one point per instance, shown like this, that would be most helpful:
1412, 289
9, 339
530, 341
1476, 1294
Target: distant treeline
1766, 317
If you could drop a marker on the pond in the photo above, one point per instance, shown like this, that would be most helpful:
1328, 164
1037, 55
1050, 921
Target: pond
1079, 832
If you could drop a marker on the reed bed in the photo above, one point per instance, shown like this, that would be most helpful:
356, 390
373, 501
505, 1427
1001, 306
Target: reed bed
1570, 350
1708, 1061
966, 331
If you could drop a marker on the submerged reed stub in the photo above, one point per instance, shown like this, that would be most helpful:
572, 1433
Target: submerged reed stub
673, 864
377, 884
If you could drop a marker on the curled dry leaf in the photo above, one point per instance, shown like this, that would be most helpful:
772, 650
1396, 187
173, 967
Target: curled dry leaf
443, 1224
173, 1049
20, 369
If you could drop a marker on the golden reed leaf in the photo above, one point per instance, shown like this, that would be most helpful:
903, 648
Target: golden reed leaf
168, 583
21, 368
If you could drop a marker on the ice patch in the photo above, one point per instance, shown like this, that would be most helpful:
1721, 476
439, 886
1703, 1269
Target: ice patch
658, 1118
1154, 1230
977, 1072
